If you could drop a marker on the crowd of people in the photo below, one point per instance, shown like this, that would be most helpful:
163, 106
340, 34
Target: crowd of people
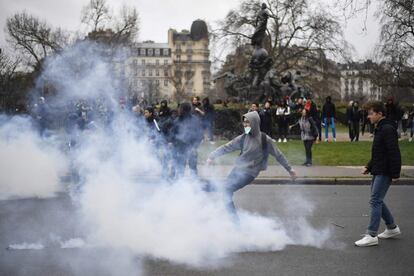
276, 120
177, 135
358, 121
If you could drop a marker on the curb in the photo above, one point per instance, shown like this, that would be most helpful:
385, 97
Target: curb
326, 181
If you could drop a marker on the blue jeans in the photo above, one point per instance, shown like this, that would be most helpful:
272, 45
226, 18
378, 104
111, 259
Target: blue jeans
236, 180
379, 188
330, 121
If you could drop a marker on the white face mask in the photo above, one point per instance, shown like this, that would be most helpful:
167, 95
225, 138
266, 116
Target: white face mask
247, 130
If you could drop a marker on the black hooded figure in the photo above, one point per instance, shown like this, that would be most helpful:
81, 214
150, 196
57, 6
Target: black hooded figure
328, 117
186, 137
208, 119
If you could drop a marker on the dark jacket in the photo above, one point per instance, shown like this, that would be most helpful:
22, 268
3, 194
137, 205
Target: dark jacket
385, 154
328, 110
393, 111
266, 121
187, 132
355, 114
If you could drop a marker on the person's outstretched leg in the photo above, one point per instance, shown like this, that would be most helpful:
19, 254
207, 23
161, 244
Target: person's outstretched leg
236, 180
325, 120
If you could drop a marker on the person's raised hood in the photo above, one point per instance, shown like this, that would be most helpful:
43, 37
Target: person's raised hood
254, 120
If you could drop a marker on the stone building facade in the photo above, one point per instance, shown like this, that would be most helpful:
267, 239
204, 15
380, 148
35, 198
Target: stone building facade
176, 70
357, 81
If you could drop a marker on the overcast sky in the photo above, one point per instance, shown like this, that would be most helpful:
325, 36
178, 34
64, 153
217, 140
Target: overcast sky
157, 16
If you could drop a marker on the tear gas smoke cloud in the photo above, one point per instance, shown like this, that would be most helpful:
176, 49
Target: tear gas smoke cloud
30, 166
123, 207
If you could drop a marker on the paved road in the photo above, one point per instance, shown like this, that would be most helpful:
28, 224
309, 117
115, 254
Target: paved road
25, 220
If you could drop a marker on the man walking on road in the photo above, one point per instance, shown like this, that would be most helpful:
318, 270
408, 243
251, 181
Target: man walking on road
385, 167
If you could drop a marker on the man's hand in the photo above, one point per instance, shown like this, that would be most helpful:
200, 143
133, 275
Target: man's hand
395, 179
365, 171
293, 175
210, 162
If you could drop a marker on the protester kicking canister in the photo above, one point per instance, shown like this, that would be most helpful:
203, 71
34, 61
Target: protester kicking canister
255, 147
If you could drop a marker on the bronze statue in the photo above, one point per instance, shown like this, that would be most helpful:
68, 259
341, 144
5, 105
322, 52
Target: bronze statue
261, 26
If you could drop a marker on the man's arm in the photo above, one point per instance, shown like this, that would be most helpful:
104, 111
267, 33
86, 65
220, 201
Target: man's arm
231, 146
393, 151
278, 155
280, 158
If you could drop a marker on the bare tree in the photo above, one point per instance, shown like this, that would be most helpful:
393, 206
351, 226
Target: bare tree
33, 38
397, 31
294, 30
125, 25
96, 14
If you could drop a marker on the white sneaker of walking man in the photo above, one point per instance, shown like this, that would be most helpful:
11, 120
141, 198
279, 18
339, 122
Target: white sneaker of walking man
390, 233
385, 168
367, 240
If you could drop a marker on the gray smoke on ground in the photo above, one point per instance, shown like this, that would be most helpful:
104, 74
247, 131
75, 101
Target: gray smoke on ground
127, 206
29, 166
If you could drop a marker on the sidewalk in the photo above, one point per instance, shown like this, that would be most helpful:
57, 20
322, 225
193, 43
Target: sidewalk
348, 175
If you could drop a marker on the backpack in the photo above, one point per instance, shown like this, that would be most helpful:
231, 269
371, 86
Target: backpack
264, 144
314, 129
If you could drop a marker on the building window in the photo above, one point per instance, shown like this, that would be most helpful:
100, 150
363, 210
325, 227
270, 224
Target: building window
157, 62
143, 73
165, 52
157, 52
165, 82
150, 73
157, 82
142, 52
143, 62
150, 52
189, 58
157, 73
165, 61
178, 57
165, 73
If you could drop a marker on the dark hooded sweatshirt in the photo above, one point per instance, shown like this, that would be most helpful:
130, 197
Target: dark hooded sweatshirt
252, 160
386, 155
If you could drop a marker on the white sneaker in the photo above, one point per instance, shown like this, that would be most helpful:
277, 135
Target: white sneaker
389, 233
410, 140
284, 140
326, 139
334, 139
280, 140
367, 240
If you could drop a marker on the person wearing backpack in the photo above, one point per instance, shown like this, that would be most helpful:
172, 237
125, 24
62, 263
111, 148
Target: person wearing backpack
255, 147
308, 132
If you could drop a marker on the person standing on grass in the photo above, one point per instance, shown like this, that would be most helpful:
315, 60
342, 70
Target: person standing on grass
283, 116
349, 120
308, 133
255, 147
266, 119
355, 120
411, 122
385, 168
328, 117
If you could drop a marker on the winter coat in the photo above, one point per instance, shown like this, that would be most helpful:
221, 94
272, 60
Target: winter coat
308, 129
385, 153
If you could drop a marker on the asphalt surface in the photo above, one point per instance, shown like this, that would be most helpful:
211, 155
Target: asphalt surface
342, 208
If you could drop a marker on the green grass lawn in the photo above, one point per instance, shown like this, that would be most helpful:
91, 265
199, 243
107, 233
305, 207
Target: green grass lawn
324, 154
